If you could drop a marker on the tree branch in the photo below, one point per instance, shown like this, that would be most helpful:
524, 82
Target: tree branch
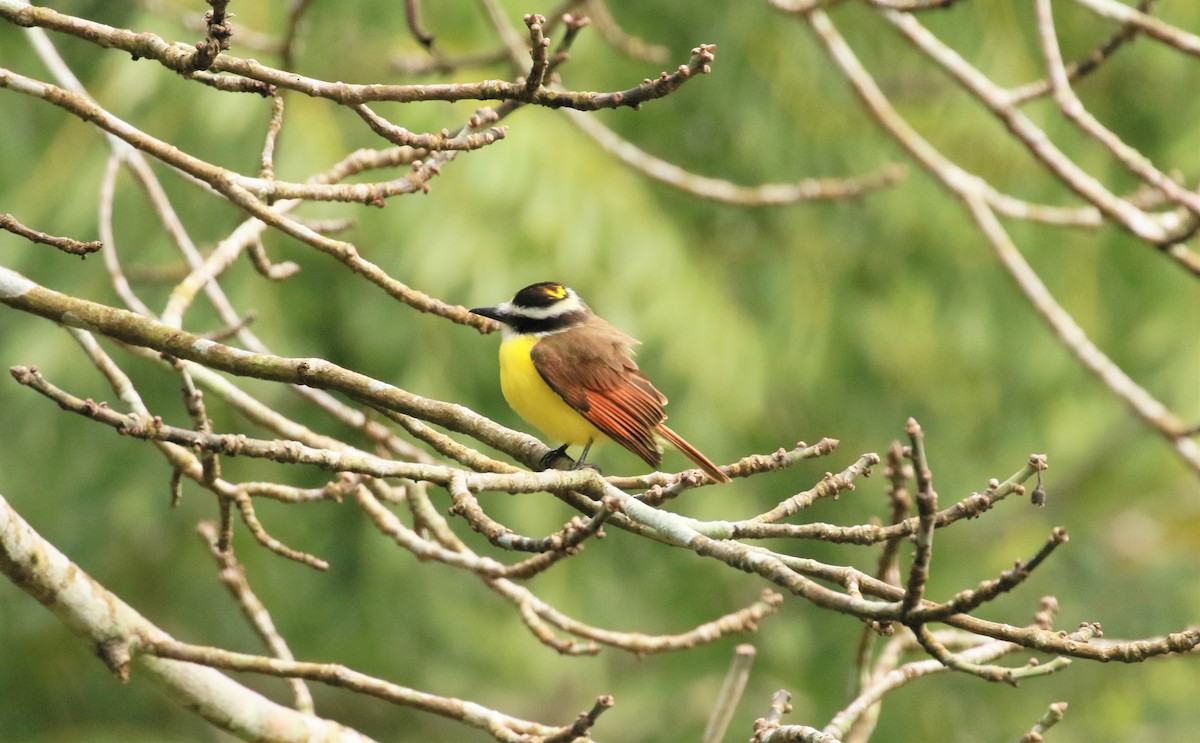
119, 635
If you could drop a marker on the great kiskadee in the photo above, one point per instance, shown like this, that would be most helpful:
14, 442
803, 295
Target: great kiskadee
572, 375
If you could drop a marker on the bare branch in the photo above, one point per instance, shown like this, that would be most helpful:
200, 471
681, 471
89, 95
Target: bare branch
1087, 65
893, 677
979, 202
179, 57
715, 189
730, 694
1074, 110
770, 729
233, 576
631, 46
927, 500
119, 635
538, 44
400, 136
340, 676
969, 507
831, 486
412, 17
216, 37
1147, 407
967, 601
584, 722
1011, 676
1148, 24
266, 269
266, 169
914, 6
664, 487
1153, 229
65, 244
112, 263
296, 11
1053, 716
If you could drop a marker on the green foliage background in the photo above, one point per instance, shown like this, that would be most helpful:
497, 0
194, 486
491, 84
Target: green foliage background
765, 326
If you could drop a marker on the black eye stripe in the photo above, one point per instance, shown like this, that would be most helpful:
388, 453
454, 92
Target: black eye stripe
524, 325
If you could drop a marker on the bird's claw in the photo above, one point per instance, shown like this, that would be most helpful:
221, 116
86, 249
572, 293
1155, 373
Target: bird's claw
549, 458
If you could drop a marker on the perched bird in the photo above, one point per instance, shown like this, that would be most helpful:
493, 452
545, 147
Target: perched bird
572, 375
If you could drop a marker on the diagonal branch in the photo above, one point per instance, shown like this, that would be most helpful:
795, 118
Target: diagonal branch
1145, 405
1087, 65
980, 203
1159, 230
1073, 109
233, 576
1170, 35
118, 634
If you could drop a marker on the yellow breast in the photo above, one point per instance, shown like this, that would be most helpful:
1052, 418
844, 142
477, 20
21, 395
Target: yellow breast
535, 401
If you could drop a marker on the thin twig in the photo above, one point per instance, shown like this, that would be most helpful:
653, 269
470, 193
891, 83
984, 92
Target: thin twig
233, 576
340, 676
179, 57
266, 169
65, 244
716, 189
730, 694
927, 500
831, 486
631, 46
1053, 716
1076, 71
291, 34
987, 672
1159, 30
1073, 109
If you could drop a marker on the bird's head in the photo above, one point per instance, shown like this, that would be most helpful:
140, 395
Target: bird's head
547, 307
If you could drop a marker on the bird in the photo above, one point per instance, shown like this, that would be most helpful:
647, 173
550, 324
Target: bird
570, 374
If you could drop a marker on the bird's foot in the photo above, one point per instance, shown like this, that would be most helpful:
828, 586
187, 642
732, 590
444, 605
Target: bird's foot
553, 455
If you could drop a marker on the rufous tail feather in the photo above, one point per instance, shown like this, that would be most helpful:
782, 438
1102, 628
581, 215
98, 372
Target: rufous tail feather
693, 454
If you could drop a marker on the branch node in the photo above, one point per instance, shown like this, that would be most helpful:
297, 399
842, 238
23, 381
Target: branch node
116, 655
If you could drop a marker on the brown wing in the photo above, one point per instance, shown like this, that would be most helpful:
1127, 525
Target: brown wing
591, 367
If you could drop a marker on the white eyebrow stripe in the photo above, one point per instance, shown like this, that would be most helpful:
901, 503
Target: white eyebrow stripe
562, 307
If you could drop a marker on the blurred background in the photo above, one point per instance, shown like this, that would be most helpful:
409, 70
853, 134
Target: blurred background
765, 326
